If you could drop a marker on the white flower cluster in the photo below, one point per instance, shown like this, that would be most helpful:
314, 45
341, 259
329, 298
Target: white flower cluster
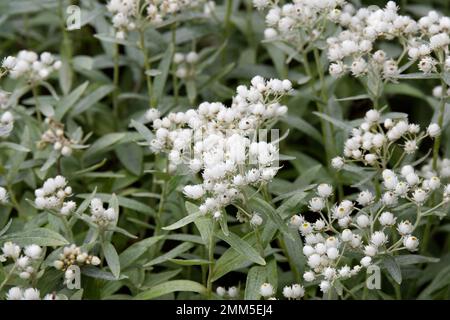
3, 195
52, 196
216, 141
352, 49
299, 22
185, 64
101, 216
294, 292
362, 228
372, 143
18, 293
6, 124
232, 292
30, 66
74, 255
267, 291
442, 167
56, 137
158, 11
23, 262
124, 14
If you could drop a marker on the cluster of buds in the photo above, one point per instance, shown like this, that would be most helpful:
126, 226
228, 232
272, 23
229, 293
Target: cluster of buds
101, 216
30, 66
74, 255
372, 144
56, 137
231, 293
53, 194
25, 264
185, 64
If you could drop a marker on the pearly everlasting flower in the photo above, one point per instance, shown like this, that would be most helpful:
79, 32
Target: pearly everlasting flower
434, 130
365, 198
411, 243
32, 67
316, 204
266, 290
33, 251
405, 228
3, 195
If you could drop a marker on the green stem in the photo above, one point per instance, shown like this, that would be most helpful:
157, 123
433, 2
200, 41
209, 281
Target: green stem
147, 66
8, 276
211, 248
174, 78
116, 81
36, 101
437, 141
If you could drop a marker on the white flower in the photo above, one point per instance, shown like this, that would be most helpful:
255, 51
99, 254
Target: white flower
347, 235
31, 294
316, 204
3, 195
332, 253
220, 291
366, 261
325, 286
266, 290
387, 219
405, 227
256, 220
33, 251
11, 250
363, 221
233, 292
15, 293
433, 130
372, 116
419, 196
309, 276
314, 260
296, 220
297, 291
324, 190
411, 243
365, 198
194, 191
378, 238
337, 163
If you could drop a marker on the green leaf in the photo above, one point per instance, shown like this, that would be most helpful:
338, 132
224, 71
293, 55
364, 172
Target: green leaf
392, 268
112, 258
13, 146
184, 221
408, 259
136, 250
104, 143
160, 79
255, 278
303, 126
175, 252
143, 130
242, 246
259, 205
39, 236
204, 224
338, 123
92, 99
67, 102
190, 262
131, 156
169, 287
